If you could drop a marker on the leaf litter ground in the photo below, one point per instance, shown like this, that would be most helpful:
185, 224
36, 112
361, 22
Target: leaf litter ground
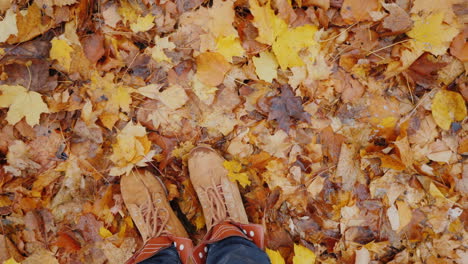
343, 121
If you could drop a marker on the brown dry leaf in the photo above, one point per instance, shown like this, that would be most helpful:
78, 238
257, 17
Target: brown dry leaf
211, 68
348, 167
31, 24
286, 108
358, 10
398, 21
459, 46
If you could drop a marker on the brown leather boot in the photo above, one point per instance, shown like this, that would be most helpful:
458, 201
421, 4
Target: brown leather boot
219, 197
145, 198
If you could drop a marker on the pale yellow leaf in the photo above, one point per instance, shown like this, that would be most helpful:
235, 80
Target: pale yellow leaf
404, 213
22, 103
266, 66
229, 46
431, 34
174, 97
131, 149
61, 52
268, 24
435, 192
303, 255
448, 107
362, 256
143, 24
10, 261
289, 43
8, 26
150, 90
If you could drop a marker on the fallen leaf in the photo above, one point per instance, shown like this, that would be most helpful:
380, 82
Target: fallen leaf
61, 51
459, 46
286, 107
448, 107
41, 256
393, 217
10, 261
111, 16
157, 52
289, 43
104, 232
358, 10
8, 25
398, 21
204, 92
22, 103
275, 256
362, 256
268, 24
142, 24
131, 149
30, 24
405, 214
303, 255
431, 34
67, 242
316, 186
234, 173
266, 66
211, 68
229, 47
348, 168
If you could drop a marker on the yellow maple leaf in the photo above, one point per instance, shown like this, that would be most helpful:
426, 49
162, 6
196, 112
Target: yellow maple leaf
289, 43
229, 46
10, 261
131, 149
8, 26
61, 51
22, 103
303, 255
268, 24
143, 24
234, 174
275, 256
266, 66
121, 98
435, 192
104, 232
128, 13
431, 34
447, 107
286, 43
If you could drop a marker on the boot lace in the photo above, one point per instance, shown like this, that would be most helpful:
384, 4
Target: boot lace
154, 215
217, 204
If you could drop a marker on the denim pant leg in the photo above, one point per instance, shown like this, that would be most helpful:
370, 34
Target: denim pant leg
168, 255
236, 250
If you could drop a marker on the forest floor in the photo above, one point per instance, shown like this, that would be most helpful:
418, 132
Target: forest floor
343, 122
